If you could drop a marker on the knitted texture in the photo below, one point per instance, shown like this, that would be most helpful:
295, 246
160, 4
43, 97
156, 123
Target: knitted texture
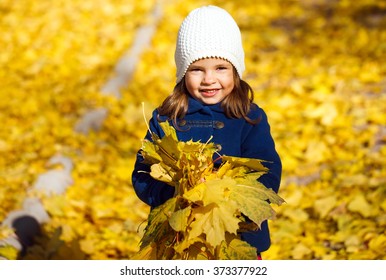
206, 32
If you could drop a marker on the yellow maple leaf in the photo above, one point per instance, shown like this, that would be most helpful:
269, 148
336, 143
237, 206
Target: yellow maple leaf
360, 204
300, 251
149, 152
196, 194
158, 222
187, 244
253, 198
237, 250
324, 205
157, 171
179, 219
149, 252
198, 251
251, 163
210, 191
213, 220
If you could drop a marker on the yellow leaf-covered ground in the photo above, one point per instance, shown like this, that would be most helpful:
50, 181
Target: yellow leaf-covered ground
317, 67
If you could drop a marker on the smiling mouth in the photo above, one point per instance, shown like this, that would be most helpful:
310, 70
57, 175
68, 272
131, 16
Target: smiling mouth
209, 92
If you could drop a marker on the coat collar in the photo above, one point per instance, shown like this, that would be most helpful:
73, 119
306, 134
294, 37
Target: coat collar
195, 106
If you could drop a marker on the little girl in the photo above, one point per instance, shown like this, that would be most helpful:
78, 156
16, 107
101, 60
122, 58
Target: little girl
210, 100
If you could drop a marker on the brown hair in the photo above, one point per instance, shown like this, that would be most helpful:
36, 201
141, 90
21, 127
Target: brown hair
236, 105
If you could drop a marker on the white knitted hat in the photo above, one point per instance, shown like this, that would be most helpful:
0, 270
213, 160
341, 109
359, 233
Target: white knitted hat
206, 32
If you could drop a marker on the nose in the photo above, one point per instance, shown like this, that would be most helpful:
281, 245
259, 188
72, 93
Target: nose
209, 77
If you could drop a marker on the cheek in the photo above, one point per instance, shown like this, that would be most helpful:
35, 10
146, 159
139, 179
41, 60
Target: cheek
228, 80
229, 84
190, 83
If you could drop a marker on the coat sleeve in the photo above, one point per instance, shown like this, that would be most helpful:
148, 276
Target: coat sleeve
149, 190
258, 143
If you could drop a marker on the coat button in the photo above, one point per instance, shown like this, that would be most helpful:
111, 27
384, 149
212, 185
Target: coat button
182, 123
219, 125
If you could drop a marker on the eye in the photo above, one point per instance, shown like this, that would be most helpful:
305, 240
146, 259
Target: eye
194, 69
222, 67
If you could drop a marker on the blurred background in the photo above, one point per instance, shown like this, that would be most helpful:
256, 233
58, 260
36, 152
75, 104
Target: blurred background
74, 75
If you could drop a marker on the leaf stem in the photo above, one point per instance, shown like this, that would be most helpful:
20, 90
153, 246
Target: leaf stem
144, 117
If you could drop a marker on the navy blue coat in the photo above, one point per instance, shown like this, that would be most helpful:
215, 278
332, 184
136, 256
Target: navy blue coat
236, 137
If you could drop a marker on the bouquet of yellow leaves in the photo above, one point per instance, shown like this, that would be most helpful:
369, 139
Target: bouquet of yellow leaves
207, 213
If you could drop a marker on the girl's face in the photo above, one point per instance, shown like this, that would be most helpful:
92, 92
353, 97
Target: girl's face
210, 80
